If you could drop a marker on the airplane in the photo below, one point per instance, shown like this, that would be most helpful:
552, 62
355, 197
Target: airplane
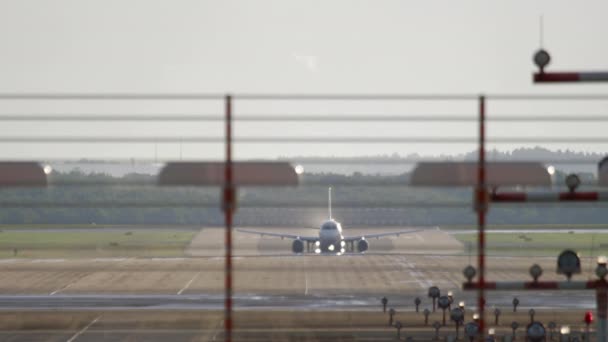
330, 239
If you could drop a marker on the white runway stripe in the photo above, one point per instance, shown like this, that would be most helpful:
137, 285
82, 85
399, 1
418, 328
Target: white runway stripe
73, 338
188, 283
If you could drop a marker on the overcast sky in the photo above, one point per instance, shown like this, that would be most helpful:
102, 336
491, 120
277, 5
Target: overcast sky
437, 47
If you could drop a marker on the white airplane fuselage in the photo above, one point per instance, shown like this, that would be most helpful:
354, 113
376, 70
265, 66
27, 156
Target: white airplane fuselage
331, 239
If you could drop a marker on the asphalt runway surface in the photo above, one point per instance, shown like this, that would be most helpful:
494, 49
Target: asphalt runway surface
252, 301
268, 278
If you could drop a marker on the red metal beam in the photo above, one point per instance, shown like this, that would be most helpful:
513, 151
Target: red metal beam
549, 197
561, 77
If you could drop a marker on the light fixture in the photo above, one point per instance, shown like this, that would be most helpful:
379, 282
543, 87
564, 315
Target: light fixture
542, 59
456, 315
536, 271
601, 271
469, 273
471, 330
572, 182
434, 292
568, 263
536, 332
443, 302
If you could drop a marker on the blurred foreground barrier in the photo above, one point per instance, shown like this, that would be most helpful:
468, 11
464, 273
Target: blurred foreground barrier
568, 263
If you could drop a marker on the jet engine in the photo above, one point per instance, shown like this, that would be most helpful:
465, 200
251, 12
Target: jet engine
362, 246
297, 246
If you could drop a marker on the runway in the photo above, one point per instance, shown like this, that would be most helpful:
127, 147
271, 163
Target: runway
531, 231
277, 295
554, 300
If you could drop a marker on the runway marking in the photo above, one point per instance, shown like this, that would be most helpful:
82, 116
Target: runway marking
168, 259
414, 273
188, 283
35, 261
65, 287
110, 259
219, 326
419, 237
61, 289
73, 338
406, 281
306, 281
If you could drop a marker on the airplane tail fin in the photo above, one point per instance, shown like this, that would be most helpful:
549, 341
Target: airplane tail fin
329, 202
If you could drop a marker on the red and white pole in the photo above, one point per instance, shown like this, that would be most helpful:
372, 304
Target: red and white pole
482, 207
542, 59
228, 206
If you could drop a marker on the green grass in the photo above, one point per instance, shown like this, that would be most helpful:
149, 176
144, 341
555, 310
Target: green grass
79, 244
550, 244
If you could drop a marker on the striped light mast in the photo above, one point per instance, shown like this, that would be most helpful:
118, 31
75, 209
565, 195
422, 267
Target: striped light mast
542, 59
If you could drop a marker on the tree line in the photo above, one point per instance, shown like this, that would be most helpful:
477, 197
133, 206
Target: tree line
359, 200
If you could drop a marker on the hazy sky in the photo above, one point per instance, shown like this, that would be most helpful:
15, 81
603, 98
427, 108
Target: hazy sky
293, 46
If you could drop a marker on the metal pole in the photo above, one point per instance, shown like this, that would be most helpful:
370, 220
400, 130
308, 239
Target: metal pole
228, 209
602, 301
481, 217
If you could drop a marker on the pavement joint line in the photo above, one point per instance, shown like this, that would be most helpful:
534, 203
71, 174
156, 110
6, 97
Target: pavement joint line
218, 330
61, 289
412, 270
69, 284
188, 283
73, 338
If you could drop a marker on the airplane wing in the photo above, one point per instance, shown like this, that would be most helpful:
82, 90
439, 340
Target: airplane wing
371, 236
282, 236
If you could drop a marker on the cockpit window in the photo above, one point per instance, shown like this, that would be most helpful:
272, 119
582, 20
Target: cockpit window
328, 226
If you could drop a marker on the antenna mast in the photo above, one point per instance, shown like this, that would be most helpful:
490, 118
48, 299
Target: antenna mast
541, 31
329, 202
